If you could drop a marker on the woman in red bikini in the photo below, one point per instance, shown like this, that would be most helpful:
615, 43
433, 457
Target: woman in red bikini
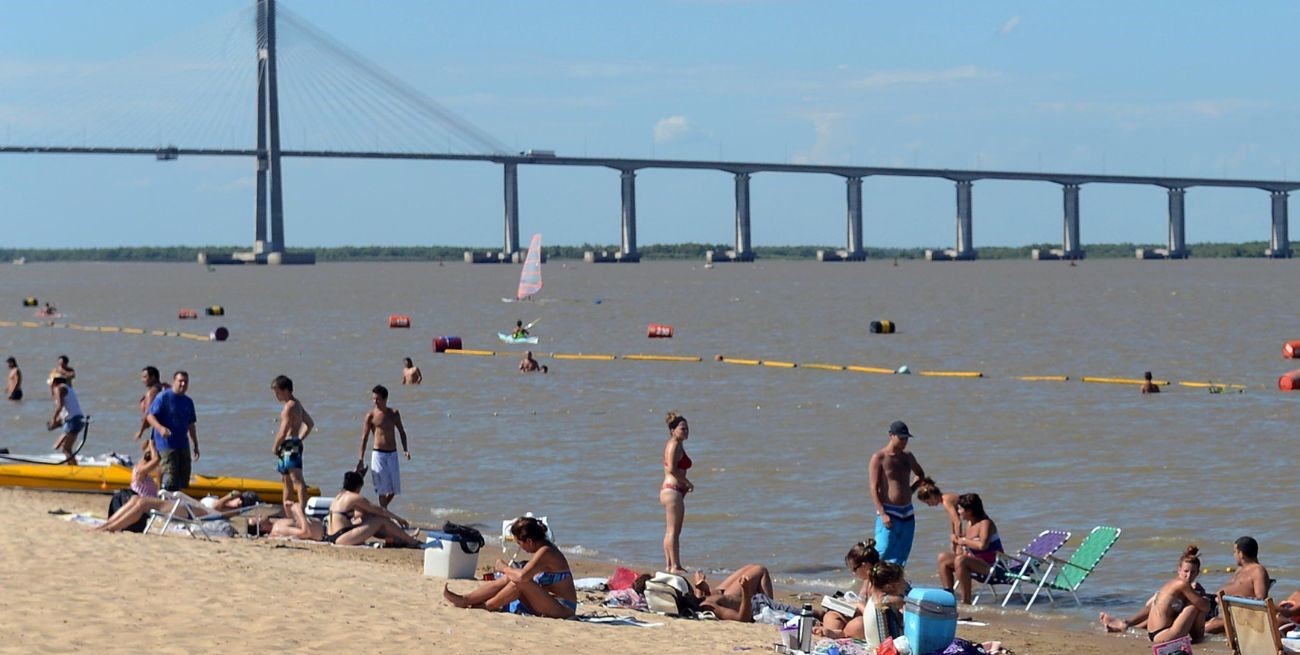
672, 493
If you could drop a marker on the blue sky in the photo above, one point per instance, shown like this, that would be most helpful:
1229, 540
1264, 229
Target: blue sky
1180, 88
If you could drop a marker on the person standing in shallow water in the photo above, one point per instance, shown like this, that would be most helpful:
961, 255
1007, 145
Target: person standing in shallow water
890, 476
14, 383
410, 372
1148, 386
295, 425
672, 493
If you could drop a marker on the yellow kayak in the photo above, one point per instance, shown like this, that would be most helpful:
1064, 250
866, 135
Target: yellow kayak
110, 478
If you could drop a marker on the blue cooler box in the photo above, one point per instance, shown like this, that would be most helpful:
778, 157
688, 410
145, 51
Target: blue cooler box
929, 620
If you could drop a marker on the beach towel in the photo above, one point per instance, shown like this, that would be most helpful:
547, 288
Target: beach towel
626, 598
607, 619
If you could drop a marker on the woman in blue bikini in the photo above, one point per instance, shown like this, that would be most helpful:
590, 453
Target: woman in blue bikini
543, 587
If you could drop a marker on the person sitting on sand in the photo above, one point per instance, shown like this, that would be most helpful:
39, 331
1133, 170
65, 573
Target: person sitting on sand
530, 365
860, 560
1249, 581
543, 587
882, 612
978, 547
354, 519
295, 526
930, 494
1171, 609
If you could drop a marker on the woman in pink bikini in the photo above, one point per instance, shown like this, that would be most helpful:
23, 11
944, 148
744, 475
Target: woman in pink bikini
672, 493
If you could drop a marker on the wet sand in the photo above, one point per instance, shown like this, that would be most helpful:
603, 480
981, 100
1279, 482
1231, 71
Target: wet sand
68, 588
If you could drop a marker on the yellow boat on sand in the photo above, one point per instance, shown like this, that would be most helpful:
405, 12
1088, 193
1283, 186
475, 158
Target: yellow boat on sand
107, 478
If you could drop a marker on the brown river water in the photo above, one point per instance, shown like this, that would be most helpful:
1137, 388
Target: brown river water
781, 454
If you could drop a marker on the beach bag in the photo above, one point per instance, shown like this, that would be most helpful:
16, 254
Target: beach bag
623, 578
120, 498
960, 646
1179, 646
471, 540
669, 594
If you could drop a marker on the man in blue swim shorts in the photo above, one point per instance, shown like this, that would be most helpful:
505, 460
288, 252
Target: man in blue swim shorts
295, 425
894, 475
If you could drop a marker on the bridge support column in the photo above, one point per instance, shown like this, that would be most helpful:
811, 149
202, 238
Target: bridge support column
854, 250
1070, 243
511, 196
965, 249
275, 246
628, 252
743, 251
1177, 225
1279, 243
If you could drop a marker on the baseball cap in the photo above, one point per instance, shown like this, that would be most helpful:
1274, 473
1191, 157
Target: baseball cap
899, 429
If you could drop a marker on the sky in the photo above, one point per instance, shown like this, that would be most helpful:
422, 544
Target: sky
1188, 88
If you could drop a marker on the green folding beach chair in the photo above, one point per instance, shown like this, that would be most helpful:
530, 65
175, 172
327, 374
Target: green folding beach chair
1072, 572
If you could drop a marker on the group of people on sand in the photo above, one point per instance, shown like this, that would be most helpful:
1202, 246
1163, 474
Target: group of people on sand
1181, 607
168, 440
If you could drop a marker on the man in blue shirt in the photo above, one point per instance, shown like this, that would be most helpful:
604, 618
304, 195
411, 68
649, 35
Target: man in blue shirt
172, 417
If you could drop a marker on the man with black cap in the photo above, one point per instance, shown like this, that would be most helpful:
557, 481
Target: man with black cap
892, 484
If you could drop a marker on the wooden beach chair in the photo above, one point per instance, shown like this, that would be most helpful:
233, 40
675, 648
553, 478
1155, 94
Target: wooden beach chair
1027, 564
1252, 627
1068, 575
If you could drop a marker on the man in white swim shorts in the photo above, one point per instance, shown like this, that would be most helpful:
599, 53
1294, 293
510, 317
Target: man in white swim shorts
383, 420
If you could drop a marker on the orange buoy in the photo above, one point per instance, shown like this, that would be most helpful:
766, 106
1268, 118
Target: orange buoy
1291, 349
186, 314
1290, 381
399, 321
443, 344
659, 331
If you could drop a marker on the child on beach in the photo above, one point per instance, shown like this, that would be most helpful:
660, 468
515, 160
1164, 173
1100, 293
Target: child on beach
890, 472
882, 612
295, 425
543, 587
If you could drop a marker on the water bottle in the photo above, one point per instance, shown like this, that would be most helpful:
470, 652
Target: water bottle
805, 627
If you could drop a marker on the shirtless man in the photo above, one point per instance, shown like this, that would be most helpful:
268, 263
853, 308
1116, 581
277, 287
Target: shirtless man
353, 519
14, 385
150, 377
410, 372
384, 470
1148, 386
1249, 581
295, 425
530, 365
891, 472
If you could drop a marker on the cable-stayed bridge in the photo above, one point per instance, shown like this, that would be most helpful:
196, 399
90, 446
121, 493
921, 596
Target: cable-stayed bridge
264, 63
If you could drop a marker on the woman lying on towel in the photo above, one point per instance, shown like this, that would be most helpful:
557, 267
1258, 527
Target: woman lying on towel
739, 596
543, 587
295, 526
130, 512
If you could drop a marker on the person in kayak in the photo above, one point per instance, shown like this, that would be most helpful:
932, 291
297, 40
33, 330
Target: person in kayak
520, 331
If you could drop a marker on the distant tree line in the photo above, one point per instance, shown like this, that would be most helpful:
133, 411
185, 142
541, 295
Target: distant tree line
691, 251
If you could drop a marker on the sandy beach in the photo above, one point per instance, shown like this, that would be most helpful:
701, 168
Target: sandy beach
71, 589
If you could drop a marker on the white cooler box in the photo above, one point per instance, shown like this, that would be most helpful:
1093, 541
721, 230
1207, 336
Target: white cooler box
446, 558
